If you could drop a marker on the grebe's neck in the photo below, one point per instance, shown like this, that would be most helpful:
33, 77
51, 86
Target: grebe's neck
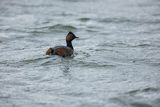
69, 44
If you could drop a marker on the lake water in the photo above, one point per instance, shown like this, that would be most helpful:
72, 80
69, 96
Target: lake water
116, 62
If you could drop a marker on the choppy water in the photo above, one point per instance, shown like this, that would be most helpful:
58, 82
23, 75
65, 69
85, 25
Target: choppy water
116, 61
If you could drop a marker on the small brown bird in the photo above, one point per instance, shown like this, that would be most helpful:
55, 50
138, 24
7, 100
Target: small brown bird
63, 50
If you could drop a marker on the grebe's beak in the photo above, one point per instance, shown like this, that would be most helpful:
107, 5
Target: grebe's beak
76, 37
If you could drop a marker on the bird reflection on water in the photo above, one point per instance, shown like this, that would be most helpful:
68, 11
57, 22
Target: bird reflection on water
65, 68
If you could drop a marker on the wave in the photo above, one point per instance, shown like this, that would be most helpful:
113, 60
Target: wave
131, 21
56, 27
29, 5
122, 44
62, 27
145, 90
116, 20
84, 19
48, 29
130, 98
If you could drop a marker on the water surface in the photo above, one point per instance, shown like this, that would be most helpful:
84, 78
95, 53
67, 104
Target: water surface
116, 62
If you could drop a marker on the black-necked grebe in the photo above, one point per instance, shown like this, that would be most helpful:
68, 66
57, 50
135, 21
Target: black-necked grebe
63, 50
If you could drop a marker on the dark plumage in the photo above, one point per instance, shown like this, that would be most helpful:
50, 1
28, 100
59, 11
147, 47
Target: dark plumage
63, 50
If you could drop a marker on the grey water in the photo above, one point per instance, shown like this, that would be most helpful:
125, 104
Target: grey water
116, 61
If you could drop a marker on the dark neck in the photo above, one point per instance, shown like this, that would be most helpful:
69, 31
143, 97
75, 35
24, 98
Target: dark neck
69, 44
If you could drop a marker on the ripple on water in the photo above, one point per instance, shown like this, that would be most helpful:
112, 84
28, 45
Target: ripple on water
60, 27
42, 61
145, 90
51, 28
121, 20
138, 98
140, 104
141, 44
86, 62
92, 64
63, 27
129, 102
117, 20
84, 19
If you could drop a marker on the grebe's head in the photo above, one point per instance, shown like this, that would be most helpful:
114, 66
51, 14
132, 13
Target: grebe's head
70, 36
